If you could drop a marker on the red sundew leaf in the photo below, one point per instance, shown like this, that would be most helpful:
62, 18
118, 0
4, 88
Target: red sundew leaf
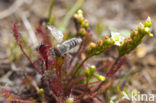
15, 30
59, 64
107, 86
16, 35
42, 31
55, 85
116, 68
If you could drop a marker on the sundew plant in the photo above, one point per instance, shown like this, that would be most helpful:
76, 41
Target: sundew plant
63, 61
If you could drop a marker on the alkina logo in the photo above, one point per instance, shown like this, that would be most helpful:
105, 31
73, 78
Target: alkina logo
136, 96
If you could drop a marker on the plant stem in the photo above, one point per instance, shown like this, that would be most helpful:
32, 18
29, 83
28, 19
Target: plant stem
82, 85
116, 61
72, 74
16, 35
76, 70
55, 97
116, 66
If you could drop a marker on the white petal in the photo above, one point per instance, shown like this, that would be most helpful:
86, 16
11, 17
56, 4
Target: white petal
115, 34
117, 43
121, 38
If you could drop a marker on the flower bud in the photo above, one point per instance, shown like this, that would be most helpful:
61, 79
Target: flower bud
85, 24
87, 72
75, 16
80, 12
92, 69
82, 32
41, 90
148, 22
100, 42
80, 19
128, 39
140, 27
100, 77
70, 100
106, 37
150, 35
134, 32
92, 45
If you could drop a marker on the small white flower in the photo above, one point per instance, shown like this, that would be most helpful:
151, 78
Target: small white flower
147, 29
80, 12
117, 38
149, 19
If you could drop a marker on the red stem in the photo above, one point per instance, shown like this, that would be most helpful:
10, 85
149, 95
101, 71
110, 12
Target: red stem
82, 85
116, 66
16, 35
